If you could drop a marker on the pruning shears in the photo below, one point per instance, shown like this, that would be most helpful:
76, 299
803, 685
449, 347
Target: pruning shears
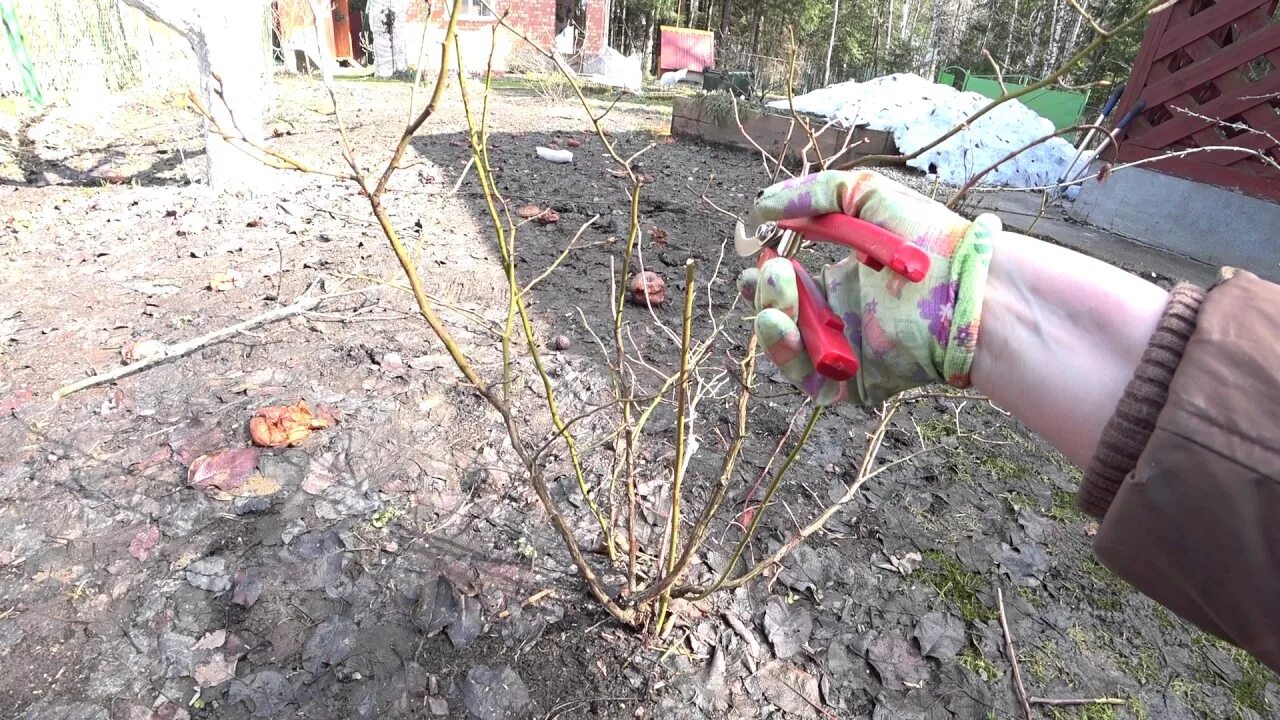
821, 329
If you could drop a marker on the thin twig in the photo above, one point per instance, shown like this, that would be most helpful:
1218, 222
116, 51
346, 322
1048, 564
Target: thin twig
305, 304
1013, 656
766, 158
1075, 5
1073, 702
999, 73
683, 441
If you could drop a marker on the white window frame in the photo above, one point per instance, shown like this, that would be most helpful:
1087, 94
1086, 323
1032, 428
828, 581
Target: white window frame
477, 10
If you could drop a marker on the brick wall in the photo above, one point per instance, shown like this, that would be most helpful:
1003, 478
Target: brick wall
597, 26
537, 18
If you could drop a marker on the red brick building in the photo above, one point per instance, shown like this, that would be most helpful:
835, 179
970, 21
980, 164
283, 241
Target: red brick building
540, 20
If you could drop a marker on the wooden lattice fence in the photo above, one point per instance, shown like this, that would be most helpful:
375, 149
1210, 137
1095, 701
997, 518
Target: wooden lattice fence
1209, 73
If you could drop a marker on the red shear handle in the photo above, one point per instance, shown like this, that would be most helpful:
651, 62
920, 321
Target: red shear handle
821, 329
878, 248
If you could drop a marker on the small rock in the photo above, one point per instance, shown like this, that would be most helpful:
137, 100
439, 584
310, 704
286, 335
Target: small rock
250, 505
209, 574
495, 694
438, 706
330, 644
562, 343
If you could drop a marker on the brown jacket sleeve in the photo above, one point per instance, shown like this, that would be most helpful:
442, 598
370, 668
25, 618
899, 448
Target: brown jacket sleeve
1192, 519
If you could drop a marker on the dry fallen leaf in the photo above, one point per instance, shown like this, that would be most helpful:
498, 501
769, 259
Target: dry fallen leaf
144, 542
288, 425
225, 470
211, 641
659, 236
223, 281
528, 212
217, 671
258, 485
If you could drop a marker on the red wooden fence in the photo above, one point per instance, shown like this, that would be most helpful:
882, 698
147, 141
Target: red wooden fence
1209, 73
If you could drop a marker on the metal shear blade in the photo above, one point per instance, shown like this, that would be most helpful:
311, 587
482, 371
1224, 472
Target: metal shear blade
766, 235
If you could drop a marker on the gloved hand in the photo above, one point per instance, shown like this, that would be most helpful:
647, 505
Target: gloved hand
905, 334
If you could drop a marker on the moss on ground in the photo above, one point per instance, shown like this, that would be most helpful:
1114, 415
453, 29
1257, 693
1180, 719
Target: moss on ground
972, 659
1004, 468
956, 585
1064, 508
1250, 692
1107, 590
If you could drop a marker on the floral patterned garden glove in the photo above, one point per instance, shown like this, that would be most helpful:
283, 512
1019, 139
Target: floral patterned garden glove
905, 334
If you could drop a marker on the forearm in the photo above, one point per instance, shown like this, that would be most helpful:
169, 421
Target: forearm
1061, 336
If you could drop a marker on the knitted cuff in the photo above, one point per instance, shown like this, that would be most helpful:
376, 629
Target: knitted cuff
1126, 434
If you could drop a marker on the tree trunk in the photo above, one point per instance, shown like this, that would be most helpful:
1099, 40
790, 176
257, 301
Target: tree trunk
726, 18
888, 39
226, 38
831, 45
933, 49
1013, 28
1051, 52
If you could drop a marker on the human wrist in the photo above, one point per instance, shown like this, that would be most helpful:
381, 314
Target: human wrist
1061, 335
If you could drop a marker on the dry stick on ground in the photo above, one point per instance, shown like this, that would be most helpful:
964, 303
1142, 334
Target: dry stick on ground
1076, 702
1150, 7
177, 350
1013, 656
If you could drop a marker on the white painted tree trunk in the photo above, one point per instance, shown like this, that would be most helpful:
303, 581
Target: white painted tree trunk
831, 45
390, 36
228, 40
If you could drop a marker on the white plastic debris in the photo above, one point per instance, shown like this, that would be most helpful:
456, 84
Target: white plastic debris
566, 40
917, 112
613, 68
555, 156
675, 77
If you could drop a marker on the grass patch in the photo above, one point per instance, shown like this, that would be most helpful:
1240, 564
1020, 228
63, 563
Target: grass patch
1018, 501
1250, 692
972, 659
1142, 667
936, 429
1041, 663
1109, 590
1033, 595
1163, 617
1003, 468
1064, 508
956, 585
1084, 712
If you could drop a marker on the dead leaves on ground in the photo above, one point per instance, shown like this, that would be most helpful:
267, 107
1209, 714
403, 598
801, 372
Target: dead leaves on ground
225, 470
289, 425
144, 542
542, 216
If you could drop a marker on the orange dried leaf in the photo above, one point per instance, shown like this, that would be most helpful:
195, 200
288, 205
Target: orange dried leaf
288, 425
528, 212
